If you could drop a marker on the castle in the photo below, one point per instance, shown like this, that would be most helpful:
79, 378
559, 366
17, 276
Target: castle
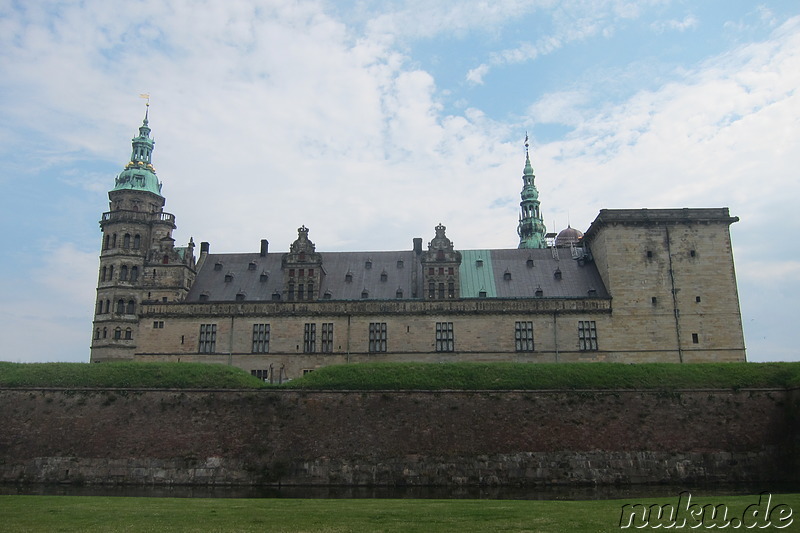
640, 285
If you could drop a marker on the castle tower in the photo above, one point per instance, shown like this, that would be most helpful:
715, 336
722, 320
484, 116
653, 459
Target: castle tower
138, 259
531, 228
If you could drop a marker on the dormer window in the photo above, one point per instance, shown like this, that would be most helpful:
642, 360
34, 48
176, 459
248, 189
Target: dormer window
327, 295
399, 263
368, 264
251, 266
398, 294
240, 296
204, 297
217, 266
384, 276
228, 277
482, 293
479, 262
263, 277
593, 292
364, 294
276, 296
529, 263
539, 292
507, 275
348, 278
557, 273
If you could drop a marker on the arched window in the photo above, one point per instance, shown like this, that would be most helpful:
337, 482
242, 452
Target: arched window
99, 307
105, 242
128, 334
126, 241
108, 306
137, 241
131, 309
117, 333
111, 273
120, 307
114, 241
97, 334
103, 274
123, 273
135, 274
105, 332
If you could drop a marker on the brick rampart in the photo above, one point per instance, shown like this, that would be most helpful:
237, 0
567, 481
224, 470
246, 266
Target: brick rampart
127, 436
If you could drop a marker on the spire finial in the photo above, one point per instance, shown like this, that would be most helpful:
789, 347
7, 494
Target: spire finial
526, 142
146, 96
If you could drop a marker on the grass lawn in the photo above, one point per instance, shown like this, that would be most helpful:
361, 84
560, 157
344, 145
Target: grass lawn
410, 376
112, 514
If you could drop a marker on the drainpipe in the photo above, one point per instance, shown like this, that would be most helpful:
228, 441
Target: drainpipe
230, 346
675, 310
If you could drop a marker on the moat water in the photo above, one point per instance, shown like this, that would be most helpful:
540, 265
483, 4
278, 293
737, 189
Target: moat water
493, 493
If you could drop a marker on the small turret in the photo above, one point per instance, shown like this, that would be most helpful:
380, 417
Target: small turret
531, 229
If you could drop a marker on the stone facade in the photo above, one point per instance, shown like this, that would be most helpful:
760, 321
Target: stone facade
640, 285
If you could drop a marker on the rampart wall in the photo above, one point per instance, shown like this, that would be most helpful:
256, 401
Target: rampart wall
127, 436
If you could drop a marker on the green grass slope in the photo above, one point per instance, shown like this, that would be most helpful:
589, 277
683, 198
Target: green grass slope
410, 376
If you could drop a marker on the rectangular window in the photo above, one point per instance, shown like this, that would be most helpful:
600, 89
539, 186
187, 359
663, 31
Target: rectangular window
445, 341
587, 335
327, 337
310, 338
158, 324
377, 337
208, 338
523, 336
260, 338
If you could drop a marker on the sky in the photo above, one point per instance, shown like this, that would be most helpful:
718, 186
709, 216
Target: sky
372, 121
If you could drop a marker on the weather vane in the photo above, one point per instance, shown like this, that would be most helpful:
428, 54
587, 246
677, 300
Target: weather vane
526, 141
146, 96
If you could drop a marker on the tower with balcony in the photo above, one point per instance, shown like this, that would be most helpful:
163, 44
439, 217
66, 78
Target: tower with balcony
139, 261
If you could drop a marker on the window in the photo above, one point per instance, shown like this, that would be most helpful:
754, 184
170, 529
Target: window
131, 308
348, 277
128, 334
384, 276
158, 324
445, 341
377, 337
251, 265
523, 336
695, 338
120, 307
365, 294
137, 241
451, 290
103, 274
399, 263
301, 292
399, 293
260, 338
482, 294
105, 242
368, 264
97, 334
228, 278
310, 338
507, 275
529, 263
697, 299
654, 300
310, 272
327, 337
208, 338
263, 375
240, 296
263, 277
134, 274
126, 241
117, 333
123, 273
431, 290
441, 291
587, 335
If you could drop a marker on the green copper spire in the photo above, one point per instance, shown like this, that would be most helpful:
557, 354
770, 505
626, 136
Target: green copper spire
531, 228
139, 173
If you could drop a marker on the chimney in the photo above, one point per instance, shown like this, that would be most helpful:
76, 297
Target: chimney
264, 247
417, 245
204, 248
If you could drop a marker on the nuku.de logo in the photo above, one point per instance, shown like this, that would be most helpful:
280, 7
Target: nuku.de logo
693, 516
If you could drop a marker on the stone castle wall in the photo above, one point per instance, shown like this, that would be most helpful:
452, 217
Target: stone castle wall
398, 438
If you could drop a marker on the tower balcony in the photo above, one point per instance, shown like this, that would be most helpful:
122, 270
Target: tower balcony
137, 216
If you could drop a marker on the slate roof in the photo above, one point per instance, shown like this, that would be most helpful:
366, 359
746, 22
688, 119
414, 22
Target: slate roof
509, 273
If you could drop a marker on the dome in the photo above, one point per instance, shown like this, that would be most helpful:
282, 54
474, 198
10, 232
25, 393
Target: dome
568, 237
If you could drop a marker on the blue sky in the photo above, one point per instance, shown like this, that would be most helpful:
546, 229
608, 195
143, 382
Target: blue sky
372, 121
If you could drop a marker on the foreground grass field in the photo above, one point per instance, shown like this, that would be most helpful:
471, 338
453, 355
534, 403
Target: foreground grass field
411, 376
112, 514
